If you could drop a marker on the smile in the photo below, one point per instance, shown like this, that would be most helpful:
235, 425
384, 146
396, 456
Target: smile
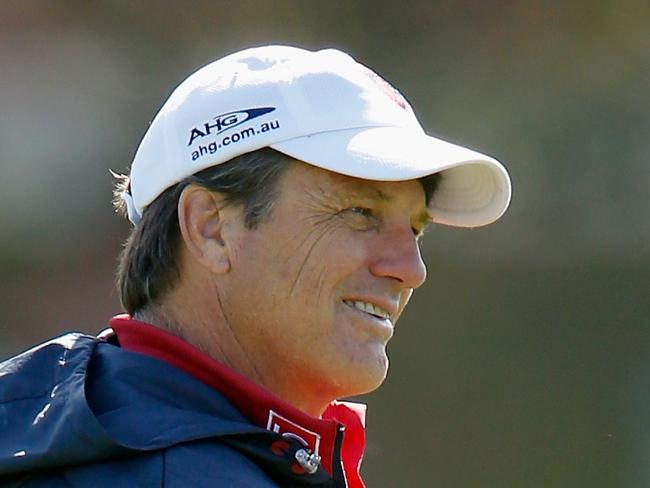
369, 308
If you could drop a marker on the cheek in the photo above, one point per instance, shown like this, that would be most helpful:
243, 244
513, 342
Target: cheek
300, 270
255, 274
317, 260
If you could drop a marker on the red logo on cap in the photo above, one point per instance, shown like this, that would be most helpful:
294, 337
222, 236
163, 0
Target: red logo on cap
389, 90
285, 427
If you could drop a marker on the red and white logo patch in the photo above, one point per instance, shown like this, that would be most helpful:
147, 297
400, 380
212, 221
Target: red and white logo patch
389, 90
286, 428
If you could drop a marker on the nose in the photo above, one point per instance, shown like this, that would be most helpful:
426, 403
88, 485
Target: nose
398, 257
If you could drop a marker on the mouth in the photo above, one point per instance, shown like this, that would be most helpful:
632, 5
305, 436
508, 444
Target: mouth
369, 308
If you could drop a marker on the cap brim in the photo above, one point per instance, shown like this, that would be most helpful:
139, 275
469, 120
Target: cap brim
474, 189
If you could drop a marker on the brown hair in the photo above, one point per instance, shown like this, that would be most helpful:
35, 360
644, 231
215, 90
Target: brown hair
147, 265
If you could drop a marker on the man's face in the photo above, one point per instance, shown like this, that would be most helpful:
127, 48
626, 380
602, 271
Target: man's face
332, 246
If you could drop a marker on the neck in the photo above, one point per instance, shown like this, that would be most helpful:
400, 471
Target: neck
207, 330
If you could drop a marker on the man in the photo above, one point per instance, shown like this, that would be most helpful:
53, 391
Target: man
278, 198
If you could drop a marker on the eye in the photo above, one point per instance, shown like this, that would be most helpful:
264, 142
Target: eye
366, 212
361, 218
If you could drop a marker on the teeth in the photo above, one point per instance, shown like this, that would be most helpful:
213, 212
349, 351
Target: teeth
369, 308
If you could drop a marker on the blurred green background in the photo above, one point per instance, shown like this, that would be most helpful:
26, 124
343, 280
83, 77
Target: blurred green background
525, 359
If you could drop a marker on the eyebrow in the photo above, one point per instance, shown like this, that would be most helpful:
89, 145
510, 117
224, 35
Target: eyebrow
365, 192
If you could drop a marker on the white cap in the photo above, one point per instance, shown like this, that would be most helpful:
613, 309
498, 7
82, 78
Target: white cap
320, 107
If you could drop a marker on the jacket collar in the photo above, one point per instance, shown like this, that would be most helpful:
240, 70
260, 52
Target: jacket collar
259, 405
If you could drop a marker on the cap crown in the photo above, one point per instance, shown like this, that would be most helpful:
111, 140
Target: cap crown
255, 98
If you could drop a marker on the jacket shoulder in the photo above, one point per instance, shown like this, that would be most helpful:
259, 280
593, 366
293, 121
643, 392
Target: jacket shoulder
35, 371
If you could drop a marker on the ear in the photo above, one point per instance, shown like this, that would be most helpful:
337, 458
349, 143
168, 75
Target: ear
200, 219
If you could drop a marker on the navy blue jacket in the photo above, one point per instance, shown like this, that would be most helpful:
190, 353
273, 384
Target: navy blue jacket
80, 412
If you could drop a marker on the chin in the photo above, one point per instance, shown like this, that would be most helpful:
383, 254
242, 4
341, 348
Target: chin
368, 376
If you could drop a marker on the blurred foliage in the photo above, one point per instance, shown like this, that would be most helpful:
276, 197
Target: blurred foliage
524, 360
